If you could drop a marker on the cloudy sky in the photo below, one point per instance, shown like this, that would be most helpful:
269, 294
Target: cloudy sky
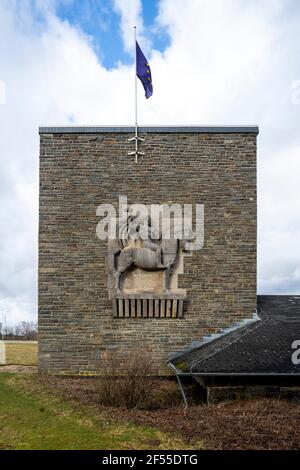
214, 62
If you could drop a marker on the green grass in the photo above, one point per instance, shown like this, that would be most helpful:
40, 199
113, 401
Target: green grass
30, 420
21, 353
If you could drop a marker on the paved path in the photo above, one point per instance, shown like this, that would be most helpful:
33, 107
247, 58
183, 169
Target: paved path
19, 369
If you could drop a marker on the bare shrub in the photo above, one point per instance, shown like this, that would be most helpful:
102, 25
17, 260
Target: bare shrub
127, 380
25, 331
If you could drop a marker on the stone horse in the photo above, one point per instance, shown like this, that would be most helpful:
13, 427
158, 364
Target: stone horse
150, 257
144, 249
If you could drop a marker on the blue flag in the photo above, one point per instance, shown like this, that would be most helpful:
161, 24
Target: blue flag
143, 71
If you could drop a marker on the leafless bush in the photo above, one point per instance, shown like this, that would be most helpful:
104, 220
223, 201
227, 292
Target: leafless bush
127, 380
25, 331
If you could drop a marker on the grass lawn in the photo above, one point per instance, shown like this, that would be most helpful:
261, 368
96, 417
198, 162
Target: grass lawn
33, 420
21, 353
46, 412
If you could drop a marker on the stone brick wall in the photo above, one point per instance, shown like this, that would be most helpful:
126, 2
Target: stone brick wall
80, 170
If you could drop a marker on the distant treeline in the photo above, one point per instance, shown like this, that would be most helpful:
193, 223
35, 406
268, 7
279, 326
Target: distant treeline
23, 331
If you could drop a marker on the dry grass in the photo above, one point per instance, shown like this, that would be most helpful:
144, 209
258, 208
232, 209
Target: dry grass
263, 424
255, 424
34, 418
19, 353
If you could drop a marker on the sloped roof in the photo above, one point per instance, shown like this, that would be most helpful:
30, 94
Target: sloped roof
263, 347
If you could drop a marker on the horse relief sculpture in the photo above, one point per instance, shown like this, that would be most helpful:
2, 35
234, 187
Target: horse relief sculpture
144, 265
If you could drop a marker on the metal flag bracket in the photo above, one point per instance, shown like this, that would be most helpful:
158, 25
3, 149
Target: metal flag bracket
137, 139
137, 154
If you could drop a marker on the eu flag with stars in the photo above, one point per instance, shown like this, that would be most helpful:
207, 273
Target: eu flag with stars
143, 71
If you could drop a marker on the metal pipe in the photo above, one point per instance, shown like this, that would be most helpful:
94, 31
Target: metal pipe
136, 138
232, 374
182, 391
136, 108
180, 374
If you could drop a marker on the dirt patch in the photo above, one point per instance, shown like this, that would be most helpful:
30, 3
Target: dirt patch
19, 369
256, 424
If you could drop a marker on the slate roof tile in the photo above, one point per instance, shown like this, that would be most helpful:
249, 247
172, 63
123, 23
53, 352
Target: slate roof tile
263, 347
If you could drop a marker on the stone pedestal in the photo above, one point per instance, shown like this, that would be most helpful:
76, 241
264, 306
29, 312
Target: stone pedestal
147, 305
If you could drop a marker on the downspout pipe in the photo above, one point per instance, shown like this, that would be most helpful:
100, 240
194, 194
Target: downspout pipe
178, 374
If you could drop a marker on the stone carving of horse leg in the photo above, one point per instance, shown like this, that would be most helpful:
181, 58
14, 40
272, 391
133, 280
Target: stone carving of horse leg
170, 251
168, 268
166, 279
117, 275
126, 259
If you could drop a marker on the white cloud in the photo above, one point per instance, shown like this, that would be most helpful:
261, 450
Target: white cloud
130, 12
279, 217
52, 76
227, 63
2, 92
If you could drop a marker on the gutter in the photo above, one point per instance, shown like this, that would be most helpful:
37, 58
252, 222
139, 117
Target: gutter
179, 374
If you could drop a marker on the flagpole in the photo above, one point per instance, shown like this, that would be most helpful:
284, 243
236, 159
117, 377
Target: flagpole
136, 106
136, 138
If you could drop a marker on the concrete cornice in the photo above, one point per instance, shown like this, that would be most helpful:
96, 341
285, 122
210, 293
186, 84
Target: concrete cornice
150, 129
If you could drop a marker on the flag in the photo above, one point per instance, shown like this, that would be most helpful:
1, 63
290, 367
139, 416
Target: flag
143, 71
